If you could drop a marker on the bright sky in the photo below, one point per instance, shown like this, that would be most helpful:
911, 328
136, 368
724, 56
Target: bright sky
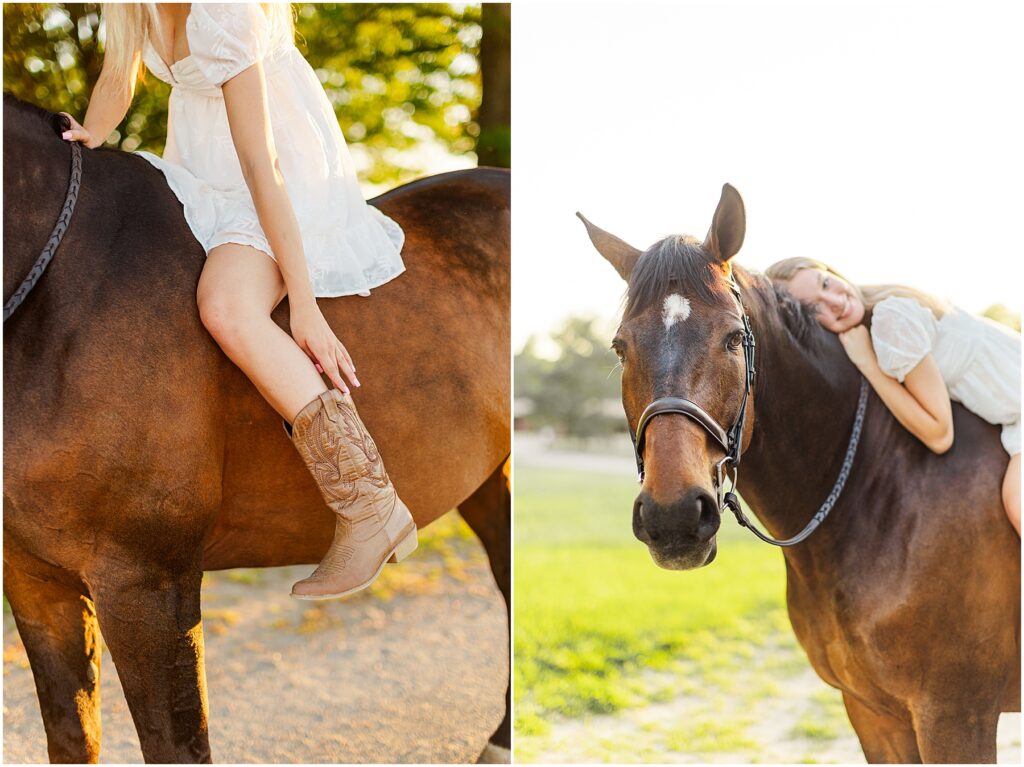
882, 138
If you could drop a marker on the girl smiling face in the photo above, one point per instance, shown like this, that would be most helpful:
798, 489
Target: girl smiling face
839, 305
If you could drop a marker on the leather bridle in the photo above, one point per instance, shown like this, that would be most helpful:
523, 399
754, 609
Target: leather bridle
731, 440
74, 184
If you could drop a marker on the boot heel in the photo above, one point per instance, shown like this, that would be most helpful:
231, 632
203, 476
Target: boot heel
405, 547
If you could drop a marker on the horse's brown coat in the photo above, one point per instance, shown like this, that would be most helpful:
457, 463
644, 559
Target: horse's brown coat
907, 598
136, 455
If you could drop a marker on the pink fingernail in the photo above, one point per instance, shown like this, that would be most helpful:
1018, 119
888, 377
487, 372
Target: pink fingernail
66, 134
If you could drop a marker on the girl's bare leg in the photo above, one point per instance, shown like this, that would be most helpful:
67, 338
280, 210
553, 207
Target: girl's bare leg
1011, 492
238, 289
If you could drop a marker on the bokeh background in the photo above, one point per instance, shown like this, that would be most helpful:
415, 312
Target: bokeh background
414, 668
418, 88
881, 138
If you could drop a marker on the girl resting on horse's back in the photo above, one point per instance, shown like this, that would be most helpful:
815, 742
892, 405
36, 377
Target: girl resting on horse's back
920, 354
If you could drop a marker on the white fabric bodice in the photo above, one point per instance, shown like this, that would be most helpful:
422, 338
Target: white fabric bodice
349, 246
979, 359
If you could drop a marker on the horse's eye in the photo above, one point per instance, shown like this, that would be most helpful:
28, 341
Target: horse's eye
736, 340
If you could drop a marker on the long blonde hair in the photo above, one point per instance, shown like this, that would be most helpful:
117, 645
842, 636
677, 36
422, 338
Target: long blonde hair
783, 271
128, 25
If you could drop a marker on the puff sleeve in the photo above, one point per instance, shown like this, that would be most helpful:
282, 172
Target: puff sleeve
902, 332
227, 38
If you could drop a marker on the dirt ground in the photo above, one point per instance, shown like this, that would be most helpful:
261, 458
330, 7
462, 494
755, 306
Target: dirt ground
412, 670
798, 723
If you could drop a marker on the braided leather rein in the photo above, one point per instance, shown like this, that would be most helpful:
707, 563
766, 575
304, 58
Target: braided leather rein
731, 501
55, 236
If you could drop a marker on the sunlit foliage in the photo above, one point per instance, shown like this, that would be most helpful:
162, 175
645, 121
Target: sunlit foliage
404, 79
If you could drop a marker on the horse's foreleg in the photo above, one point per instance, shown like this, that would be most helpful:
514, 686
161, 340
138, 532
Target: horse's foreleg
489, 513
954, 731
884, 738
152, 624
57, 624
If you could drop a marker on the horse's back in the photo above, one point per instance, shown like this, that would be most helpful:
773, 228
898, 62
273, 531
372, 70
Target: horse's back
130, 435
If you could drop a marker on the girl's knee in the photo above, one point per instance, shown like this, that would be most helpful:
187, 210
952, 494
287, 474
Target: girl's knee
221, 315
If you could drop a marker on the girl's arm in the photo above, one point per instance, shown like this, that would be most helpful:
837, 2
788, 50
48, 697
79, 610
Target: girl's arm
108, 104
245, 98
921, 403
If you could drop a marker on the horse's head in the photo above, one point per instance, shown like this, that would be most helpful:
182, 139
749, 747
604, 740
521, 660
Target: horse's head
681, 336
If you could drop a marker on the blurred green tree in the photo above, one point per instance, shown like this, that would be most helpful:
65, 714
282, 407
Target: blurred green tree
1000, 313
404, 78
576, 390
494, 146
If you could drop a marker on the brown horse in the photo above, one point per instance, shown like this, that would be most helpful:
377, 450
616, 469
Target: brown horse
136, 455
907, 598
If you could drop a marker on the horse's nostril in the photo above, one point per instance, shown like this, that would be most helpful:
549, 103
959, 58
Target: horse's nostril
708, 520
640, 529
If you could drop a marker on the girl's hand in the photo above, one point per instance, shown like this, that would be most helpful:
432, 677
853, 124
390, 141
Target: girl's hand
315, 337
76, 132
857, 343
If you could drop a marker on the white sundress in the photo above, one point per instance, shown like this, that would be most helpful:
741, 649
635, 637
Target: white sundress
979, 359
349, 246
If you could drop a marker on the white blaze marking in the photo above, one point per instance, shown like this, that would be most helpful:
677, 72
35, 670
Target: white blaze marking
676, 309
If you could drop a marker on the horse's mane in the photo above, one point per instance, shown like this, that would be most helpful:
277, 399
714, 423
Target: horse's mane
48, 121
670, 264
798, 321
798, 318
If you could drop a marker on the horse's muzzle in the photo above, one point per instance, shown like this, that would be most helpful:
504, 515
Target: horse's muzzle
680, 536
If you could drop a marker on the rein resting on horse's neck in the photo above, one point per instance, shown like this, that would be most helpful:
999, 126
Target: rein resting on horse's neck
36, 183
102, 263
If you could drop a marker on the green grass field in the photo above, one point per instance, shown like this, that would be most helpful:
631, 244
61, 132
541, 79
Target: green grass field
594, 615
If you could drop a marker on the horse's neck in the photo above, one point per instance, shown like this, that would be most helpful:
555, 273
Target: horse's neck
35, 184
804, 411
83, 277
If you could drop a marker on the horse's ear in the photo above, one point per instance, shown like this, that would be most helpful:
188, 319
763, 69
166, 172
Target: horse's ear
725, 237
618, 253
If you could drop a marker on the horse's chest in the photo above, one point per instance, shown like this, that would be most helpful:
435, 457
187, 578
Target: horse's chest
829, 625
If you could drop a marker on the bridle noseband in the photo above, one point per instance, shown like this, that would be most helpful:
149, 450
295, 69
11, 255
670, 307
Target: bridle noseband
731, 441
74, 184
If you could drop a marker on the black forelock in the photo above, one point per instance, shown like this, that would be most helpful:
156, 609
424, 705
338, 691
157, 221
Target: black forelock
676, 263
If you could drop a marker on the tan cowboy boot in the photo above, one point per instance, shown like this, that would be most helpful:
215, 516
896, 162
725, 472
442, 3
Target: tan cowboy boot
373, 526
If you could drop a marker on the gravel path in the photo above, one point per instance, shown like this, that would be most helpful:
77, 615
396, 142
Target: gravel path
414, 670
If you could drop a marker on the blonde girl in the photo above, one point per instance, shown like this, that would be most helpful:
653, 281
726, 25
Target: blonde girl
920, 354
255, 156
